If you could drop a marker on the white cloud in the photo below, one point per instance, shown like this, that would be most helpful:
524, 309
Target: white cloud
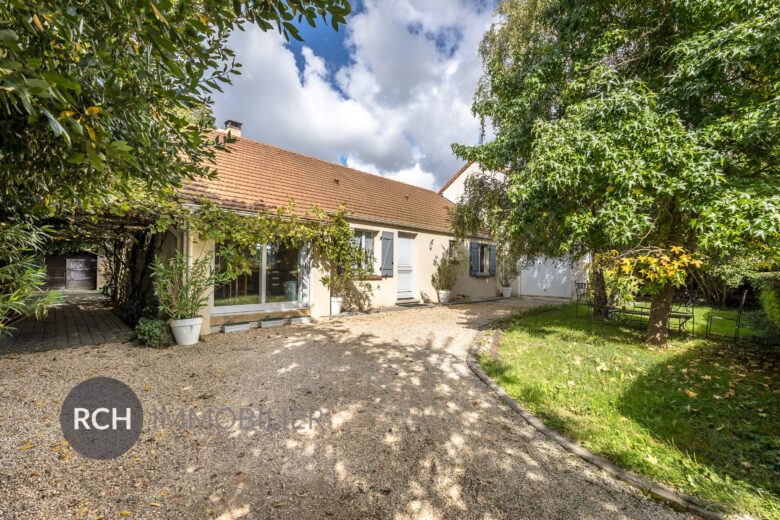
413, 175
398, 106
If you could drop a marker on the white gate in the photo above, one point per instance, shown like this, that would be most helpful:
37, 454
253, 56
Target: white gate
547, 278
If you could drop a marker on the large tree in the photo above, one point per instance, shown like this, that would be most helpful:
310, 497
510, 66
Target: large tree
641, 127
100, 98
95, 93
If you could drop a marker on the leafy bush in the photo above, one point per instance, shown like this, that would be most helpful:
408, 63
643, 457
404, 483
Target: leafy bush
22, 274
152, 333
507, 265
182, 290
132, 311
720, 276
446, 272
769, 297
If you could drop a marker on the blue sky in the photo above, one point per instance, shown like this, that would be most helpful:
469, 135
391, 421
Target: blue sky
387, 94
325, 42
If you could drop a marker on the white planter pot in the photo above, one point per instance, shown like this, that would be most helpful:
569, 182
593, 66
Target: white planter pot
335, 305
186, 332
506, 292
444, 296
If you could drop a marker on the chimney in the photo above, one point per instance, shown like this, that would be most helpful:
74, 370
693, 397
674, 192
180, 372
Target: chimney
234, 127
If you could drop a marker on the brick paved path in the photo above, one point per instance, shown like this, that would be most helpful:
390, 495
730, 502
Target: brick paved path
83, 320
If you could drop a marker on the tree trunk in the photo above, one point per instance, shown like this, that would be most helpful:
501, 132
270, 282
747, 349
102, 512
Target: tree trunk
660, 307
599, 294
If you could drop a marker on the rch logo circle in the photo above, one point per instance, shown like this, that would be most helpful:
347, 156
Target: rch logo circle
101, 418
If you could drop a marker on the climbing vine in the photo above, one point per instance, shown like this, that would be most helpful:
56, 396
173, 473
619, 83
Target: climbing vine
329, 235
130, 230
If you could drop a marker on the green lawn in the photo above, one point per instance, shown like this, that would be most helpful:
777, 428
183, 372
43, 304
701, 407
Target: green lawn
699, 416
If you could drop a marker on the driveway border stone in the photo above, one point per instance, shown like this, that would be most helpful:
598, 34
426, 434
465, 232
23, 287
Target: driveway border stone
657, 491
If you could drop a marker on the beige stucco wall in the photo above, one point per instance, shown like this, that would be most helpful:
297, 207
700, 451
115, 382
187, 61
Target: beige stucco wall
455, 191
195, 249
427, 245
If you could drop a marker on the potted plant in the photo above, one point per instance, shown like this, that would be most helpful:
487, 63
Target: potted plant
445, 273
507, 268
182, 290
338, 284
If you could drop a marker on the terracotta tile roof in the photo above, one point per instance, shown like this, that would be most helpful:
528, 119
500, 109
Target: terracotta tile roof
258, 177
465, 167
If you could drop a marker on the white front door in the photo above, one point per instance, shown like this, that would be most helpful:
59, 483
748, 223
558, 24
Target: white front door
547, 278
405, 264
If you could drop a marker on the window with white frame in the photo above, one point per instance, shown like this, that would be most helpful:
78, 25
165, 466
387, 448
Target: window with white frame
364, 240
484, 258
272, 278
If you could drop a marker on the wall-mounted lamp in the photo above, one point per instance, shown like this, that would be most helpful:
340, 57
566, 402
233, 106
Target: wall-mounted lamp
430, 246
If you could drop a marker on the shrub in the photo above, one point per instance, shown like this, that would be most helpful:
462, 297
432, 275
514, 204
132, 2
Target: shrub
720, 276
22, 274
133, 310
507, 266
769, 297
445, 273
152, 333
183, 289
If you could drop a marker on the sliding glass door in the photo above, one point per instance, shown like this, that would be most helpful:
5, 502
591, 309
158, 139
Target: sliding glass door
275, 278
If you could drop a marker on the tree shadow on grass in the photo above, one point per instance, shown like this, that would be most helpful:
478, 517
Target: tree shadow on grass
720, 406
568, 325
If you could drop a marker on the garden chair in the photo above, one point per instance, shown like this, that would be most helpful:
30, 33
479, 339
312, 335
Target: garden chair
736, 319
683, 310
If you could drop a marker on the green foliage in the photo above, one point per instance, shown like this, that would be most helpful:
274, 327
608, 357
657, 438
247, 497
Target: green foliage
341, 258
698, 416
152, 333
447, 270
769, 297
329, 236
507, 266
721, 275
21, 274
626, 125
95, 94
101, 100
183, 288
770, 303
486, 206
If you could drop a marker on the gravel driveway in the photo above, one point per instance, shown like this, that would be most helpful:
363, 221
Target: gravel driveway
407, 431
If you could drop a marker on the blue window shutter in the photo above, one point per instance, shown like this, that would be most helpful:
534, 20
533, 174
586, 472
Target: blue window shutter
474, 257
387, 253
492, 271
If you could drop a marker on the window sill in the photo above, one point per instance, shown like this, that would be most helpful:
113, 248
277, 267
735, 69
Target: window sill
370, 277
232, 310
482, 275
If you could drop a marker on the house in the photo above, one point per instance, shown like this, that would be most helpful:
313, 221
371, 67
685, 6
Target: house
404, 226
546, 277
